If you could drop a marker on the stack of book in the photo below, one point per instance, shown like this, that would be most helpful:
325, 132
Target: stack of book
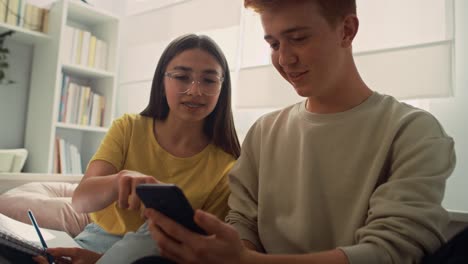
67, 158
83, 48
23, 14
79, 104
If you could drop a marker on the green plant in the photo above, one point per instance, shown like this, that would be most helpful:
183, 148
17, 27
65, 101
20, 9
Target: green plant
4, 52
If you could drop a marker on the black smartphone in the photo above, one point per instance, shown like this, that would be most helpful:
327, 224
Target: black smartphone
170, 201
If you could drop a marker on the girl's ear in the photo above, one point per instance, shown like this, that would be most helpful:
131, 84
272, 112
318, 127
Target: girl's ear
350, 29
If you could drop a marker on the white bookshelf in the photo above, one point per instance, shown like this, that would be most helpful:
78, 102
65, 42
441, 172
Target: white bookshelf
81, 127
24, 35
86, 72
49, 63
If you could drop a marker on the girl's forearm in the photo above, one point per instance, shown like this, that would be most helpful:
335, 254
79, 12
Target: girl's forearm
95, 193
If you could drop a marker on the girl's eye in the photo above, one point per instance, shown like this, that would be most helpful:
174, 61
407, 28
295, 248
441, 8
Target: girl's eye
182, 77
209, 81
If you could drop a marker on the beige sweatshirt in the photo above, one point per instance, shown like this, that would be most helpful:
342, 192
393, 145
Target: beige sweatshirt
369, 180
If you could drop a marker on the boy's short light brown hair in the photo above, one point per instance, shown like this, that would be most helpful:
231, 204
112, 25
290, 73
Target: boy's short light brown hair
332, 10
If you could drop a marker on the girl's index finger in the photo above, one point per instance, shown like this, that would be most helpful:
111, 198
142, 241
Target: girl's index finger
124, 192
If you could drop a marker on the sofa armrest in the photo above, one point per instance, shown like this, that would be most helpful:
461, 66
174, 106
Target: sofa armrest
11, 180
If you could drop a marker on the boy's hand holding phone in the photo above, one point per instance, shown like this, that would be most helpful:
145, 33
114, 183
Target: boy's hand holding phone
222, 245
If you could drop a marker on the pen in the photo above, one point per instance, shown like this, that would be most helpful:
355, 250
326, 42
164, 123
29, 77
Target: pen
44, 245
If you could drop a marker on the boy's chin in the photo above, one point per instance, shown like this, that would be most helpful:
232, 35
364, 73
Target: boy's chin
302, 90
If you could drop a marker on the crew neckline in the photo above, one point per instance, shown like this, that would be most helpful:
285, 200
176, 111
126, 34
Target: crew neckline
160, 148
373, 99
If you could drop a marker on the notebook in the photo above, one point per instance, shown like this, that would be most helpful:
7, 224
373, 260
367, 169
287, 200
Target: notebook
19, 241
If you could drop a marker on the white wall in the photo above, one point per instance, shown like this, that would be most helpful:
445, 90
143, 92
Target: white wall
453, 113
13, 97
145, 36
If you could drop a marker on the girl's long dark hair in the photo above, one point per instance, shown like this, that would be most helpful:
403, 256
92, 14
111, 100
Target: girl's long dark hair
219, 124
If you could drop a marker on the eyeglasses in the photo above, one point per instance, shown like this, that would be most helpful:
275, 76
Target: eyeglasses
209, 84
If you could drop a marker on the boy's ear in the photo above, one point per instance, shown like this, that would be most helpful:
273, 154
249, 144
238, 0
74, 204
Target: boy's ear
350, 29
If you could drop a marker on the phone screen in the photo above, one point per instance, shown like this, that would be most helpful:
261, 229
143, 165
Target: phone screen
170, 201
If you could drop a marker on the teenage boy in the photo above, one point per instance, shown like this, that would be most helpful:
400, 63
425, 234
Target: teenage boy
346, 176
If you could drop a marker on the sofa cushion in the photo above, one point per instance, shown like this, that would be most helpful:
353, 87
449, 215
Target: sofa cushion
12, 160
49, 201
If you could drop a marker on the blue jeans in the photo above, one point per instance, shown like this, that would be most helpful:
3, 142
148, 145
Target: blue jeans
94, 238
132, 246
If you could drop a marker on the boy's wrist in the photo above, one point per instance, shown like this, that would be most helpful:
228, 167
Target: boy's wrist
249, 245
248, 256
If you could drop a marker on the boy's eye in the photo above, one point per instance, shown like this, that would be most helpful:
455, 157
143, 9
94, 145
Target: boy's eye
298, 39
274, 46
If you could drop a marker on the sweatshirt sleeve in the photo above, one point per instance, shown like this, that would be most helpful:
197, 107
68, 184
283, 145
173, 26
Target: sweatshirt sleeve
405, 217
243, 201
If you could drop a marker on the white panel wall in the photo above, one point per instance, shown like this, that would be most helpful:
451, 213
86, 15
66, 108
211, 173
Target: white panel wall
383, 24
137, 7
453, 113
157, 27
263, 87
191, 16
387, 24
421, 71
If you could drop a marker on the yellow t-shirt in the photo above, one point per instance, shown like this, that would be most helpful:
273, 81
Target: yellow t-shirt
130, 145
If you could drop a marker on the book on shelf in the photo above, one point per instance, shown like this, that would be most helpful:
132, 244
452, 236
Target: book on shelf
101, 54
79, 104
85, 48
92, 51
67, 158
62, 168
28, 21
45, 21
63, 98
21, 13
78, 46
68, 42
3, 10
24, 14
56, 165
19, 241
83, 97
75, 103
81, 47
12, 13
33, 17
